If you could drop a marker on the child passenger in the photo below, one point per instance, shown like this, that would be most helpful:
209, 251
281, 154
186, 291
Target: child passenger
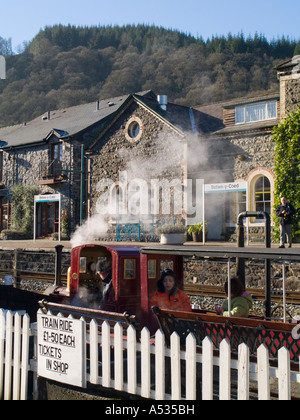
168, 296
241, 301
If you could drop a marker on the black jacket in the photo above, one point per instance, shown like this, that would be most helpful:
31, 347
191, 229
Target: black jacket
285, 219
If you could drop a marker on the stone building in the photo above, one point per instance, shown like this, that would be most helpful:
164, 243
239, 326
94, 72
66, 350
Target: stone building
242, 150
134, 155
67, 152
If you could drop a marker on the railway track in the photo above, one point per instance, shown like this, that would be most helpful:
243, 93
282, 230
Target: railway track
259, 294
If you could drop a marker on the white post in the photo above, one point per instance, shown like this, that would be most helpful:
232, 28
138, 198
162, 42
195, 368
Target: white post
225, 371
243, 372
59, 217
175, 367
263, 373
34, 220
118, 344
106, 358
160, 368
145, 364
131, 360
284, 291
203, 214
93, 352
207, 369
229, 289
284, 374
191, 364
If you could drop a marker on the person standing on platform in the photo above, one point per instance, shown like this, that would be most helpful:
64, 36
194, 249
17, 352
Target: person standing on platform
285, 212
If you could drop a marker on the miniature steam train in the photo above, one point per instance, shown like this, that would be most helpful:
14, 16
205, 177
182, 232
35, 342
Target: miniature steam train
134, 273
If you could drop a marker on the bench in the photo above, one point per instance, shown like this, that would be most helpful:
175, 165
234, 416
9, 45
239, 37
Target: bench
251, 331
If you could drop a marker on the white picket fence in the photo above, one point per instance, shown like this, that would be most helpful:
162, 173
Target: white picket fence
182, 374
14, 355
147, 368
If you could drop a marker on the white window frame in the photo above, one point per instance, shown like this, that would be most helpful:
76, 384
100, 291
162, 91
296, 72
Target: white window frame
255, 201
242, 110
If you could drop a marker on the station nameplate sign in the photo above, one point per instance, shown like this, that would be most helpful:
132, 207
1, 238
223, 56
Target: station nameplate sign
47, 198
225, 187
61, 349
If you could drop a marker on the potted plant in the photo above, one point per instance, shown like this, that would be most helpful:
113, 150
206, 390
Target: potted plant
197, 232
172, 234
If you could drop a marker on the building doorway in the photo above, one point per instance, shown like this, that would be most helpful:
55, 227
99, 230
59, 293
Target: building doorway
4, 214
47, 219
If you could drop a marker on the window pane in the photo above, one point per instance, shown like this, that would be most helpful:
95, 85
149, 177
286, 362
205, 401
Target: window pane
263, 195
267, 190
239, 114
268, 208
259, 193
260, 207
272, 109
257, 112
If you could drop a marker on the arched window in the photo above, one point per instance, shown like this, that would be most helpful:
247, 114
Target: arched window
262, 193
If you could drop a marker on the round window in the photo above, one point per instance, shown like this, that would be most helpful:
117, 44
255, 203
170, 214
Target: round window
134, 129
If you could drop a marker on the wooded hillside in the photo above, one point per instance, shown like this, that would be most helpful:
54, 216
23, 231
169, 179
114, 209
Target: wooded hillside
66, 65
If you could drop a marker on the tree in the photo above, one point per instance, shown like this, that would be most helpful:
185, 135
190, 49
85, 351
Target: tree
297, 49
287, 166
22, 198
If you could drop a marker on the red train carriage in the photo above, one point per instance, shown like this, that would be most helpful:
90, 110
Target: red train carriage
125, 294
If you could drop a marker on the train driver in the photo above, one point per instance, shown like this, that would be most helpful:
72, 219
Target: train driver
104, 271
168, 296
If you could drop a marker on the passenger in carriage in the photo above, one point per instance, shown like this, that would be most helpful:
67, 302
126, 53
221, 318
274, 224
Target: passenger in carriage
168, 296
241, 301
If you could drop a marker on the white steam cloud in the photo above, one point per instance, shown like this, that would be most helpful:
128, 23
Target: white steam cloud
154, 159
92, 229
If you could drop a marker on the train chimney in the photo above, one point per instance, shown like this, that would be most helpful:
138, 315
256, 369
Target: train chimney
162, 101
58, 264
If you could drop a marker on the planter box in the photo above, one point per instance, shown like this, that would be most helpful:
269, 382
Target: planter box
172, 238
198, 237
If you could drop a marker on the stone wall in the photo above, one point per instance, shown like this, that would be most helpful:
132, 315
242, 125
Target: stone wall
24, 167
156, 153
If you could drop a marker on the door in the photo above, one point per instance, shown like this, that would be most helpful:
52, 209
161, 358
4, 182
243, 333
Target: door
4, 215
47, 219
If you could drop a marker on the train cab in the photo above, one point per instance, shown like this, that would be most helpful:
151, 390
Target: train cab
117, 290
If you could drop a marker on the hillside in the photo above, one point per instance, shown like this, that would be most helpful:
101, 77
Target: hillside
66, 65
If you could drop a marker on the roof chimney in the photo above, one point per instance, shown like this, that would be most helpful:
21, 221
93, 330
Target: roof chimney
163, 101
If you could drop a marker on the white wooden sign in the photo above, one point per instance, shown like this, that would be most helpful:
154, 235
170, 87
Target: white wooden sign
225, 187
61, 349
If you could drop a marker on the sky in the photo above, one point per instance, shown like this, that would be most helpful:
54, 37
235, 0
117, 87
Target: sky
22, 20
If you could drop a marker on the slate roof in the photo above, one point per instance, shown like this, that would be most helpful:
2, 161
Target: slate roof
74, 121
78, 122
215, 110
64, 123
290, 64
